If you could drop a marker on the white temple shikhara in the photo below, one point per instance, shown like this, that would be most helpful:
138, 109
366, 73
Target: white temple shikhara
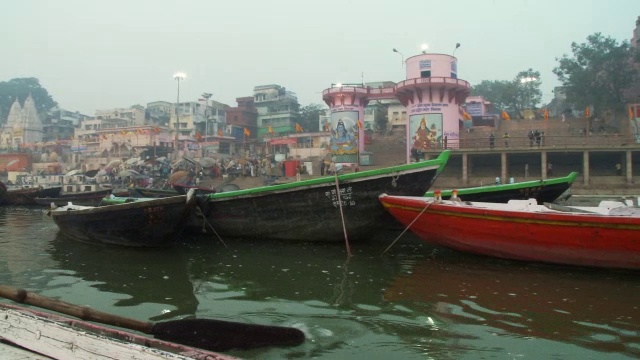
23, 125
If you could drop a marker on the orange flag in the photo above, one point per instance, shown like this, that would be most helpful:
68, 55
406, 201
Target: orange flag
546, 114
466, 116
587, 112
299, 128
505, 116
270, 130
359, 124
326, 126
630, 113
220, 133
247, 132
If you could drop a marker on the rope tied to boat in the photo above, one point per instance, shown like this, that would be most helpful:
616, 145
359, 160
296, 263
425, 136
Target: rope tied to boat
394, 180
407, 228
344, 226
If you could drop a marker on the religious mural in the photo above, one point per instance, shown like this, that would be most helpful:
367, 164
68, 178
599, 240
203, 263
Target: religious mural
426, 132
344, 132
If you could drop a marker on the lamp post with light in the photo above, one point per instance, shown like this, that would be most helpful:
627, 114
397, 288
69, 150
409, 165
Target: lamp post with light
206, 97
178, 77
526, 82
401, 56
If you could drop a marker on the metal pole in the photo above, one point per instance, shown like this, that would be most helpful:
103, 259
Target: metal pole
175, 141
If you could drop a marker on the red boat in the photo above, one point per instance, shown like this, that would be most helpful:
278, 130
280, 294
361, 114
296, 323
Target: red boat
607, 237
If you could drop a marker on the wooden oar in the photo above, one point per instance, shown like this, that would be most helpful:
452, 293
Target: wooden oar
209, 334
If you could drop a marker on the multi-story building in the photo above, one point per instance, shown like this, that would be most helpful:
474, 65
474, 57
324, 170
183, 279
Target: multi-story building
211, 117
134, 116
158, 113
277, 109
60, 124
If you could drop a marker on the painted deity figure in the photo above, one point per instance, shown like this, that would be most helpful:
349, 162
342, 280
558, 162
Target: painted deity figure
343, 140
422, 137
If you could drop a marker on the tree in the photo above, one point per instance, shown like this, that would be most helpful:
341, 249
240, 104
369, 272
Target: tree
494, 91
512, 95
381, 116
21, 88
598, 73
309, 117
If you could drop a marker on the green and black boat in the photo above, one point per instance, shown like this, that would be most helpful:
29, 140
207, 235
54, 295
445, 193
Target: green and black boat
548, 190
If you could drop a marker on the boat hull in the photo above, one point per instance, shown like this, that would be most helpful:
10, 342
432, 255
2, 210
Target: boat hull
314, 210
27, 196
89, 198
62, 337
155, 222
555, 237
548, 190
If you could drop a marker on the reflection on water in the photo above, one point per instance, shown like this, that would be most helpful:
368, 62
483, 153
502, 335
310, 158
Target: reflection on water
413, 302
595, 309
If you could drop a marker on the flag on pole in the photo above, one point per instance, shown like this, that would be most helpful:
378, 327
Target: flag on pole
299, 128
630, 112
220, 133
359, 124
198, 136
247, 132
466, 116
587, 112
326, 126
546, 114
505, 116
270, 130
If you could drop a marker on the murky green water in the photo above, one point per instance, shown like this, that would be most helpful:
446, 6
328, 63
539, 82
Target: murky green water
414, 302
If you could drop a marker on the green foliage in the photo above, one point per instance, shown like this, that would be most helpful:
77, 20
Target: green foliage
598, 73
309, 117
512, 95
21, 88
381, 116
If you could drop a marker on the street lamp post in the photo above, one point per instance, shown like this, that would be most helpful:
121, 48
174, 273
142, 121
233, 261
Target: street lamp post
206, 97
178, 76
526, 81
401, 56
454, 50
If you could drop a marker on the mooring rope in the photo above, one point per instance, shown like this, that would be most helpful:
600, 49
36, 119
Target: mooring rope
211, 226
407, 228
344, 226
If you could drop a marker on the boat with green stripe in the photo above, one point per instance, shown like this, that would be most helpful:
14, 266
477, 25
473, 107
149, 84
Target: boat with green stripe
324, 209
543, 190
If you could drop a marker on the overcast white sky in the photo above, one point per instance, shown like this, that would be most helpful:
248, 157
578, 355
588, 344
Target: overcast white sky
102, 54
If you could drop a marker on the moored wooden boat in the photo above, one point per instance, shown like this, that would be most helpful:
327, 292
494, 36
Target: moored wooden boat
318, 209
61, 337
88, 198
547, 190
524, 230
143, 192
27, 195
154, 222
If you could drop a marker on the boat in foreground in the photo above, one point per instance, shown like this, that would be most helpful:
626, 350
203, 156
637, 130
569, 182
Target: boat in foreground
61, 337
599, 236
154, 222
548, 190
327, 208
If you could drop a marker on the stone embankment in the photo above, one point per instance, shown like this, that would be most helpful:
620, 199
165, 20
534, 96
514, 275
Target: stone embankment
388, 150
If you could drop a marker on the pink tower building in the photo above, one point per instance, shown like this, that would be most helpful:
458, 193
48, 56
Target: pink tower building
431, 93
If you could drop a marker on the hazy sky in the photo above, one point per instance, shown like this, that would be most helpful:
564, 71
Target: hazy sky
102, 54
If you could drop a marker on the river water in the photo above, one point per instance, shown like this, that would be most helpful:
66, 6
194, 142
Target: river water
414, 302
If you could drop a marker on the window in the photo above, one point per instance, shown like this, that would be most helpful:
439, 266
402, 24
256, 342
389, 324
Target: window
425, 73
